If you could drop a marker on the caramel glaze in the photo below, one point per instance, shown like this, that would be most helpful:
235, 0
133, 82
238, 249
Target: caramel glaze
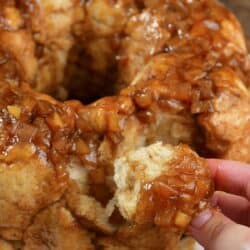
172, 199
180, 63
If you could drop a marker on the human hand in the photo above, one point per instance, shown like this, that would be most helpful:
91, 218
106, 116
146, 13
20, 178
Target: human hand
228, 230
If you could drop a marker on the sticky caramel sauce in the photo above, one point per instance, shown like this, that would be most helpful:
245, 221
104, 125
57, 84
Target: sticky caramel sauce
172, 199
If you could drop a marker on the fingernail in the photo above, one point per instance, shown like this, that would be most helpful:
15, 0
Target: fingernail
214, 201
201, 219
213, 163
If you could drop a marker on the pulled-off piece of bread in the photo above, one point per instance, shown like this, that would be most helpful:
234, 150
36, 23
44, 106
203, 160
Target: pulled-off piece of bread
162, 185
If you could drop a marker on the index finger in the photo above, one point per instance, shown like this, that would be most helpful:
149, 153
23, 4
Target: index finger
231, 177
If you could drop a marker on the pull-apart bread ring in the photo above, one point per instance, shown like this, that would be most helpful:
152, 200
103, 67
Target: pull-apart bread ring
158, 84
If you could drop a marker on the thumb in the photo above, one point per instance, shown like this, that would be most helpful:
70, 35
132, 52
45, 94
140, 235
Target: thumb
214, 231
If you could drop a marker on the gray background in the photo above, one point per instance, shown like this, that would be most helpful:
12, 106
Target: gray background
242, 9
